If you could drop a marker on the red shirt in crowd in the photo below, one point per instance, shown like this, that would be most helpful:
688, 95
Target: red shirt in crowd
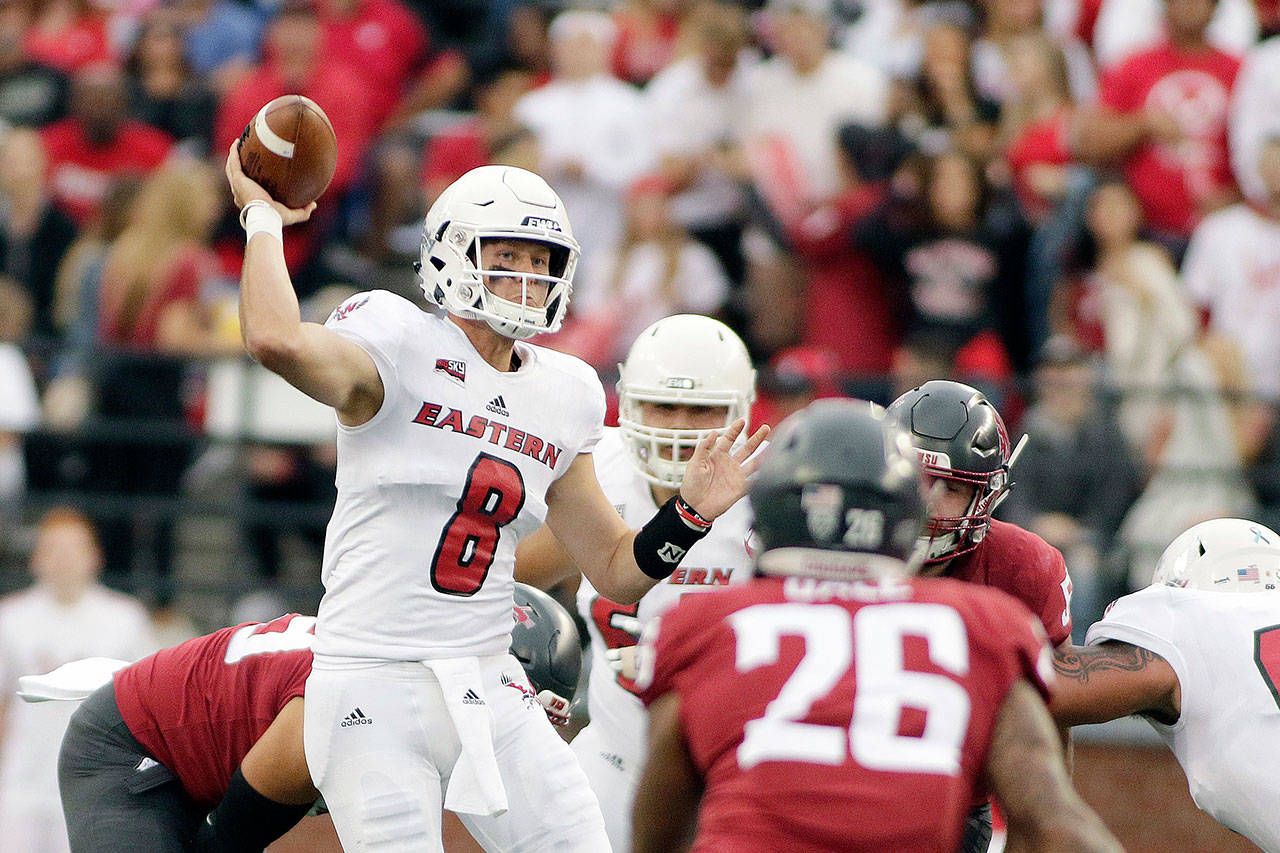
71, 48
1043, 142
382, 42
200, 706
1025, 566
829, 773
454, 152
179, 282
1172, 180
80, 173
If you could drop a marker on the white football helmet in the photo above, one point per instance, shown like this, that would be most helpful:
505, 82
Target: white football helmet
488, 203
1225, 555
685, 359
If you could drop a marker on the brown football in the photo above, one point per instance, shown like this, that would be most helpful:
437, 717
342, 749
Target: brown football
290, 149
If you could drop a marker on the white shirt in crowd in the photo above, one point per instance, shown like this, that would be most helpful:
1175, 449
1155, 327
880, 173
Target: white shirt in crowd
38, 633
1255, 114
1232, 268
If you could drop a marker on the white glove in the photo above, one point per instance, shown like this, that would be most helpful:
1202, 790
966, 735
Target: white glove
556, 706
622, 661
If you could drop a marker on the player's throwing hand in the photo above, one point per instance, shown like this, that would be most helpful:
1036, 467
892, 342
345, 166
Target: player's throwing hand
245, 190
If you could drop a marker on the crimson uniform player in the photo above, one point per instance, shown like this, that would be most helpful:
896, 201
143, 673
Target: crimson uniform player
456, 439
898, 696
964, 449
963, 445
212, 723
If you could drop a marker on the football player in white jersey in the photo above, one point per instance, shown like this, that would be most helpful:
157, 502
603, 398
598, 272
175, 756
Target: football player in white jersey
455, 440
1198, 654
685, 376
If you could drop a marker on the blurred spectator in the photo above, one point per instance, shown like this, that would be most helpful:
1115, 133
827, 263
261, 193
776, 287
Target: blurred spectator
31, 93
1126, 27
800, 98
957, 249
19, 405
156, 284
64, 616
221, 39
890, 33
98, 142
290, 478
391, 53
1132, 308
514, 35
1076, 477
69, 35
1005, 22
154, 308
1052, 189
656, 270
647, 35
1255, 115
164, 90
1036, 123
34, 235
458, 149
1163, 115
843, 285
941, 108
1197, 469
79, 276
695, 106
592, 137
1232, 270
793, 379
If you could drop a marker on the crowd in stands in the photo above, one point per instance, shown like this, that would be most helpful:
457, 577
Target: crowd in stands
1073, 204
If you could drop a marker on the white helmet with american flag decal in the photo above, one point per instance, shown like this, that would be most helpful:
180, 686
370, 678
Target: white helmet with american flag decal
1224, 555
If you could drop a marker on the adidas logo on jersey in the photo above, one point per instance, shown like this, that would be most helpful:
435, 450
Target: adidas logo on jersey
498, 406
471, 698
355, 718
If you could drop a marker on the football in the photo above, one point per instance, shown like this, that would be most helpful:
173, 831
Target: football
290, 149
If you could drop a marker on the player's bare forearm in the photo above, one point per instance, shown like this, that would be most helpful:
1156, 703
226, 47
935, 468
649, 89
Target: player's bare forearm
1111, 680
593, 535
1030, 781
542, 561
666, 806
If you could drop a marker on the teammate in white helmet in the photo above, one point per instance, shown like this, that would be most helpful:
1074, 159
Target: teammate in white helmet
685, 377
455, 440
1198, 654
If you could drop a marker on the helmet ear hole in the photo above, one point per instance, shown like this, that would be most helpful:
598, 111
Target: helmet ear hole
438, 263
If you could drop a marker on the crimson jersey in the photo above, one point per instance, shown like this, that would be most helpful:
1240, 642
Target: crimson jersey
199, 706
1025, 566
840, 716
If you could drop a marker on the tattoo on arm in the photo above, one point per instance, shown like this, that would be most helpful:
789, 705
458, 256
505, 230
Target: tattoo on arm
1079, 663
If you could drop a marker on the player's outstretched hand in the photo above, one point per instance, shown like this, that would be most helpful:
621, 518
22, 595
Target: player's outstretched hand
717, 474
244, 190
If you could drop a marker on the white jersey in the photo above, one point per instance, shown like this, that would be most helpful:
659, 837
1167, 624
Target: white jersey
1225, 650
38, 633
436, 490
719, 559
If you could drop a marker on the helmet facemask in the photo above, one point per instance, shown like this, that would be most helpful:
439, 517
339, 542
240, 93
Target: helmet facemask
659, 453
945, 537
682, 360
470, 295
493, 203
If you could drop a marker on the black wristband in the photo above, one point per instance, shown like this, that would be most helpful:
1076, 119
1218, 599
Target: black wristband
246, 820
661, 544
